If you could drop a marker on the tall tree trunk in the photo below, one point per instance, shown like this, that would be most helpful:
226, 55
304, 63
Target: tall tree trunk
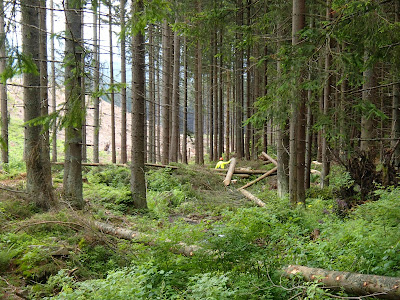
38, 169
138, 184
282, 145
221, 99
327, 94
113, 148
158, 111
96, 82
185, 103
72, 182
83, 95
214, 88
396, 105
239, 84
124, 155
166, 75
227, 119
152, 98
369, 95
249, 103
3, 88
174, 149
296, 162
53, 84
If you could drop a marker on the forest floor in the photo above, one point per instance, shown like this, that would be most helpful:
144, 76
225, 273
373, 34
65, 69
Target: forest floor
236, 250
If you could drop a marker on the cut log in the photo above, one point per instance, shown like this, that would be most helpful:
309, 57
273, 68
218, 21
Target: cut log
352, 283
229, 174
118, 165
315, 172
270, 158
251, 197
270, 172
237, 175
241, 171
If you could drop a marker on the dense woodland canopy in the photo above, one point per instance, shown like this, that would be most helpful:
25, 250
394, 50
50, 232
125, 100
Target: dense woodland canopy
302, 82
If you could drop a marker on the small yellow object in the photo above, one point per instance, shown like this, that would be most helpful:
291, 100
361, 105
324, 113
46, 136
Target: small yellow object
221, 164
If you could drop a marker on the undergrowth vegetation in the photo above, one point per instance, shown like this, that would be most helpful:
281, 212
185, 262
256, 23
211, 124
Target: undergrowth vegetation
239, 250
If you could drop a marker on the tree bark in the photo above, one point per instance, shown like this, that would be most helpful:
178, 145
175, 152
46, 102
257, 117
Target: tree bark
253, 198
396, 105
152, 98
269, 173
166, 75
352, 283
3, 88
239, 84
185, 103
138, 183
174, 149
369, 95
124, 155
221, 100
96, 83
113, 147
229, 174
297, 125
326, 103
53, 84
38, 169
72, 182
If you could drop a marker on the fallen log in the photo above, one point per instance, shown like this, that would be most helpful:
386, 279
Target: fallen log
270, 172
270, 158
229, 174
352, 283
118, 165
238, 175
241, 171
251, 197
131, 235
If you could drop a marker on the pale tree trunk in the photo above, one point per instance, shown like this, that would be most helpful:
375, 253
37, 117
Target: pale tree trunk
124, 156
327, 95
307, 179
158, 111
174, 149
166, 79
3, 88
72, 182
296, 174
227, 118
199, 146
138, 183
185, 103
353, 283
96, 83
396, 105
113, 148
214, 89
83, 95
38, 169
53, 84
212, 101
220, 99
152, 98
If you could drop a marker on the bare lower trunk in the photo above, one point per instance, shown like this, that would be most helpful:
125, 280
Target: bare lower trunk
3, 88
166, 75
124, 155
138, 183
72, 182
38, 169
174, 149
185, 105
113, 148
96, 83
